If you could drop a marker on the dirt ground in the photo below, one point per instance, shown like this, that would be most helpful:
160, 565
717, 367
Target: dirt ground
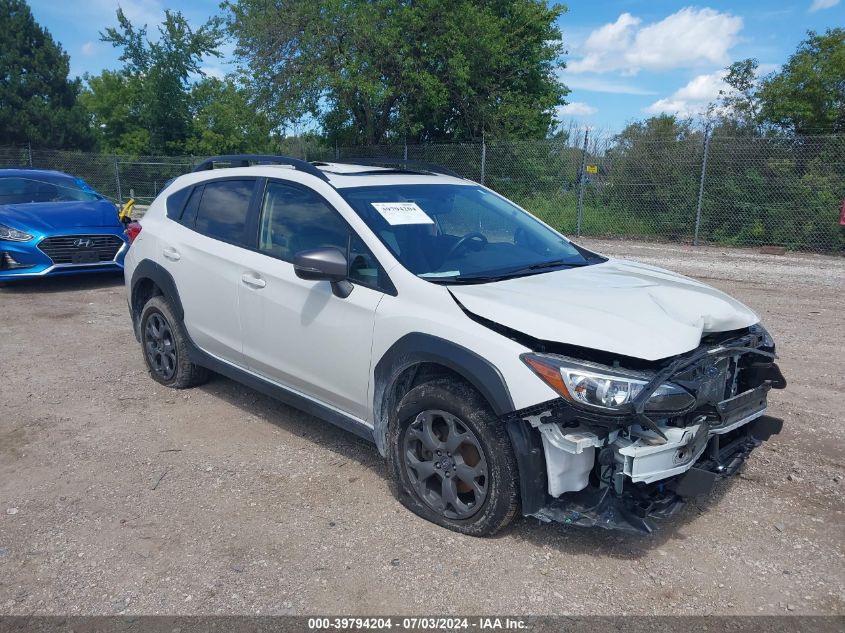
119, 496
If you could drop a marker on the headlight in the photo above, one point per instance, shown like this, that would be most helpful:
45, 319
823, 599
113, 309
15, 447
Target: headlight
597, 387
767, 340
13, 235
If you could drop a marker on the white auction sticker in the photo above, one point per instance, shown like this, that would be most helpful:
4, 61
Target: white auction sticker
402, 213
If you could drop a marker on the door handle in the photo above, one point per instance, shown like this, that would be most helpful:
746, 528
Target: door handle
172, 254
253, 281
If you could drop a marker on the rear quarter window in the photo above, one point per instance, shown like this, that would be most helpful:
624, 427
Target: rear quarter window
175, 203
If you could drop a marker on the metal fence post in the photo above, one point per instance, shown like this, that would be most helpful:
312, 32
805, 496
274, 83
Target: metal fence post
29, 151
117, 178
483, 158
581, 185
701, 184
405, 153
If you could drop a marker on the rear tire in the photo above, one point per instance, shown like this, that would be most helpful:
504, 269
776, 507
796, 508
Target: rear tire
164, 342
451, 459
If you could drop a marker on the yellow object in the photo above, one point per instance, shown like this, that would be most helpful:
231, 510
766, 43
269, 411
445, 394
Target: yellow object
125, 212
592, 169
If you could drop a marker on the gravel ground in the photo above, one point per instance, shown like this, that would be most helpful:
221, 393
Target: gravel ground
119, 496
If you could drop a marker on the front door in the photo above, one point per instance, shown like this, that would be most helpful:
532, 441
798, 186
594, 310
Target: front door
297, 332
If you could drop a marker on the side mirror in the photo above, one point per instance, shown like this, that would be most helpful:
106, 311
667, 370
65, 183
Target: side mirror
324, 264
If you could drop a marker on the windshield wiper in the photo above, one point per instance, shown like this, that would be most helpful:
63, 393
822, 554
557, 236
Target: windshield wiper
553, 264
541, 266
519, 272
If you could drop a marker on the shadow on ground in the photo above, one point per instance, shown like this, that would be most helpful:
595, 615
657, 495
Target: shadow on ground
569, 539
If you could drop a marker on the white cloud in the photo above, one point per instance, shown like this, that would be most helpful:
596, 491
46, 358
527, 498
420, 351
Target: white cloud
89, 48
687, 38
596, 84
818, 5
693, 98
577, 108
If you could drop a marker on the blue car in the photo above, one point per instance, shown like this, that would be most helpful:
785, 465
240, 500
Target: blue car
54, 224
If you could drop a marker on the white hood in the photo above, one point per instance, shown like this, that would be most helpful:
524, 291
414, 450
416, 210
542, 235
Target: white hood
618, 306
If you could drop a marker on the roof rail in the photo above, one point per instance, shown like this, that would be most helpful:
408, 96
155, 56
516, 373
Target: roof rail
244, 160
407, 165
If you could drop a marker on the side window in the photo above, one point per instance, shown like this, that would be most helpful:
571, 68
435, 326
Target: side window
363, 267
176, 203
190, 210
222, 211
295, 219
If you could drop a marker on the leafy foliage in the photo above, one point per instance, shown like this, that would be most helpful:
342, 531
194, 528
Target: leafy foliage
159, 71
116, 111
39, 102
432, 70
808, 95
223, 122
654, 174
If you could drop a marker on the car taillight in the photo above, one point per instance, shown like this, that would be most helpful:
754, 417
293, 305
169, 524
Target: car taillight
133, 229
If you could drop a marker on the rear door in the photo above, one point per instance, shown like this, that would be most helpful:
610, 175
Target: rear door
204, 254
296, 332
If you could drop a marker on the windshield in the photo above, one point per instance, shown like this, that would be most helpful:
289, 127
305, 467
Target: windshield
461, 233
45, 188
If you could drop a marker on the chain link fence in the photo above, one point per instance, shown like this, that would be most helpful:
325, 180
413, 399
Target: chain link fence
705, 188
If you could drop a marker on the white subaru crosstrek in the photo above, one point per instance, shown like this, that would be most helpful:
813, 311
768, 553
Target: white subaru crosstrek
500, 368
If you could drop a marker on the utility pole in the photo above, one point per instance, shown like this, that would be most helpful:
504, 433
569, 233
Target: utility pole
581, 184
117, 178
701, 185
483, 157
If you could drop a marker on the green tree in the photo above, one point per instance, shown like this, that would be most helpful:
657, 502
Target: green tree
808, 94
655, 175
739, 104
38, 103
372, 71
223, 121
160, 70
111, 99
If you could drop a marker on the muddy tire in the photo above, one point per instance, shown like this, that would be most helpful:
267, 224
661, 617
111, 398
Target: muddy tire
451, 459
165, 346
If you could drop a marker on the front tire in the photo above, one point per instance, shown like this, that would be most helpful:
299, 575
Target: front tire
165, 345
451, 459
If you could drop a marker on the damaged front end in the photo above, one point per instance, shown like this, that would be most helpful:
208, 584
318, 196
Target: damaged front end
629, 440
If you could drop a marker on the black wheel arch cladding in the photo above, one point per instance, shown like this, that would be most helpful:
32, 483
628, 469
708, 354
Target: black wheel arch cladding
149, 271
417, 348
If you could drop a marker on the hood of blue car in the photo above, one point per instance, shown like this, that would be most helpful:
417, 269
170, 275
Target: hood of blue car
48, 217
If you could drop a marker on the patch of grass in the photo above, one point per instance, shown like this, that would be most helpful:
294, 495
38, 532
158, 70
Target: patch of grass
561, 213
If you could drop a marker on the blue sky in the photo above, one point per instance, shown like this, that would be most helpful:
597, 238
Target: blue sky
627, 58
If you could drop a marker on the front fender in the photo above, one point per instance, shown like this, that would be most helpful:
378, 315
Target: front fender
416, 348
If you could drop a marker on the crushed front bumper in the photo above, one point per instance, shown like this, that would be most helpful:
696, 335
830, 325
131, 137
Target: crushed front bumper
721, 457
622, 470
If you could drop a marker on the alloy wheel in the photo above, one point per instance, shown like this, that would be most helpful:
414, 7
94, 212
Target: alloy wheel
445, 463
160, 346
